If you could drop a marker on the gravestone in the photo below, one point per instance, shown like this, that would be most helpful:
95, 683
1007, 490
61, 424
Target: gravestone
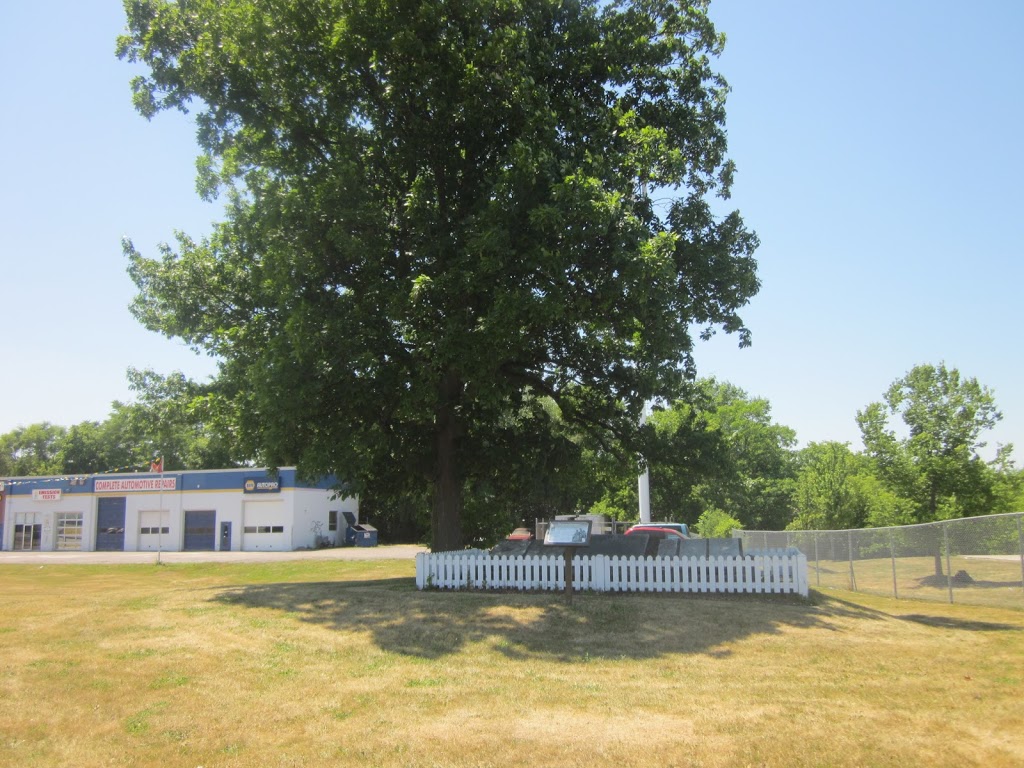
635, 545
693, 548
669, 547
618, 546
725, 548
539, 549
513, 548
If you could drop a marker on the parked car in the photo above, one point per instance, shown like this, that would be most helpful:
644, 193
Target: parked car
520, 534
683, 528
656, 531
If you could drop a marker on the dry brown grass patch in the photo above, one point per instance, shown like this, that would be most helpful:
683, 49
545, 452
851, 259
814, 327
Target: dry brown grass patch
319, 664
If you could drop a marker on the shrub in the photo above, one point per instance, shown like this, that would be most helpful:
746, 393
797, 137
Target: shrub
716, 524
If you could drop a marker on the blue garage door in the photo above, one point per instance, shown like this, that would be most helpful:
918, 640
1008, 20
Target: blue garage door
200, 535
110, 524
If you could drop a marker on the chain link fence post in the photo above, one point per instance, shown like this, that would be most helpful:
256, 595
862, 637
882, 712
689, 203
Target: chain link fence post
1020, 539
817, 560
849, 551
892, 554
949, 573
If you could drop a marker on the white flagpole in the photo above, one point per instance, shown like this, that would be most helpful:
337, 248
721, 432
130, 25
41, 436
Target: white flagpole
644, 484
644, 481
160, 513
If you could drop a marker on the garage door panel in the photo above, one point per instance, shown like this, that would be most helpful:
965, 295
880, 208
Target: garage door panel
265, 528
200, 534
110, 517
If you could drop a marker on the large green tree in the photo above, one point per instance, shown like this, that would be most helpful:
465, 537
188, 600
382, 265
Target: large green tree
933, 460
439, 211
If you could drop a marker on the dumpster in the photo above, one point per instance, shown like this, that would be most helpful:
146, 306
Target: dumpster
366, 535
357, 535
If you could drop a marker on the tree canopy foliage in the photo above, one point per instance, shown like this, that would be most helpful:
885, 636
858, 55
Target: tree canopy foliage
837, 488
715, 447
722, 450
934, 464
438, 216
31, 450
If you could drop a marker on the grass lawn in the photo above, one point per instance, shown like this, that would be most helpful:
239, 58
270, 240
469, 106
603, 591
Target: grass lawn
344, 663
993, 582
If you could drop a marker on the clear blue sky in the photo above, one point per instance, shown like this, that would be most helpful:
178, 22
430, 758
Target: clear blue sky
879, 147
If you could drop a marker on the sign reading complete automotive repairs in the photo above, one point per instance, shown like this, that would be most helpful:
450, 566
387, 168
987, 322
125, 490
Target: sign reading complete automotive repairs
128, 485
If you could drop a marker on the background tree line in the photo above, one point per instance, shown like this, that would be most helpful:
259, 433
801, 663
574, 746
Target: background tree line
172, 417
717, 460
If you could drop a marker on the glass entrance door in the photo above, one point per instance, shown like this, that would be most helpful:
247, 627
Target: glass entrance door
28, 533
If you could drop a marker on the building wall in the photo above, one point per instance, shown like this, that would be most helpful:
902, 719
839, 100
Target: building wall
310, 510
170, 512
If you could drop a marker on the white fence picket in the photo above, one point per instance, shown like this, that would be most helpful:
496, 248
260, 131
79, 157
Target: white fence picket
604, 573
757, 574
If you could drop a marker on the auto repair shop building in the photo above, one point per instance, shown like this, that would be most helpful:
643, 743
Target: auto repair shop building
229, 509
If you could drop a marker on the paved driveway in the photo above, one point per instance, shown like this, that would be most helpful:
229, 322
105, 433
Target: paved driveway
391, 552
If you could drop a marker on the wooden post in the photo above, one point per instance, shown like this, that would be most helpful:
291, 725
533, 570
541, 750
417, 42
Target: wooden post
569, 534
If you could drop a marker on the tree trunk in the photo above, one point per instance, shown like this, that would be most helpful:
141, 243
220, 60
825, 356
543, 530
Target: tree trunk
446, 517
938, 561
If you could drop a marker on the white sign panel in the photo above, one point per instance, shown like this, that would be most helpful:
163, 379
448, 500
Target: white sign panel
46, 494
135, 485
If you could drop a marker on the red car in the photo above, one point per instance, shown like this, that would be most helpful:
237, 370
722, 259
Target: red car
520, 534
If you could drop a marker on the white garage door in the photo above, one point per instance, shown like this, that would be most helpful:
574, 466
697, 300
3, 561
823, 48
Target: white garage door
264, 527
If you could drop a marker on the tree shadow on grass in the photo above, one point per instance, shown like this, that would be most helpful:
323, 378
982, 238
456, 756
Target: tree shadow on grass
434, 624
839, 607
948, 622
959, 582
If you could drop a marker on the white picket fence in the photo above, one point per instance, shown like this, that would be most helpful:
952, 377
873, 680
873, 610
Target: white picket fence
779, 574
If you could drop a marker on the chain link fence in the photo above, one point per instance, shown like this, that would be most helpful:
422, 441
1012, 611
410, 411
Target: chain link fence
976, 560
